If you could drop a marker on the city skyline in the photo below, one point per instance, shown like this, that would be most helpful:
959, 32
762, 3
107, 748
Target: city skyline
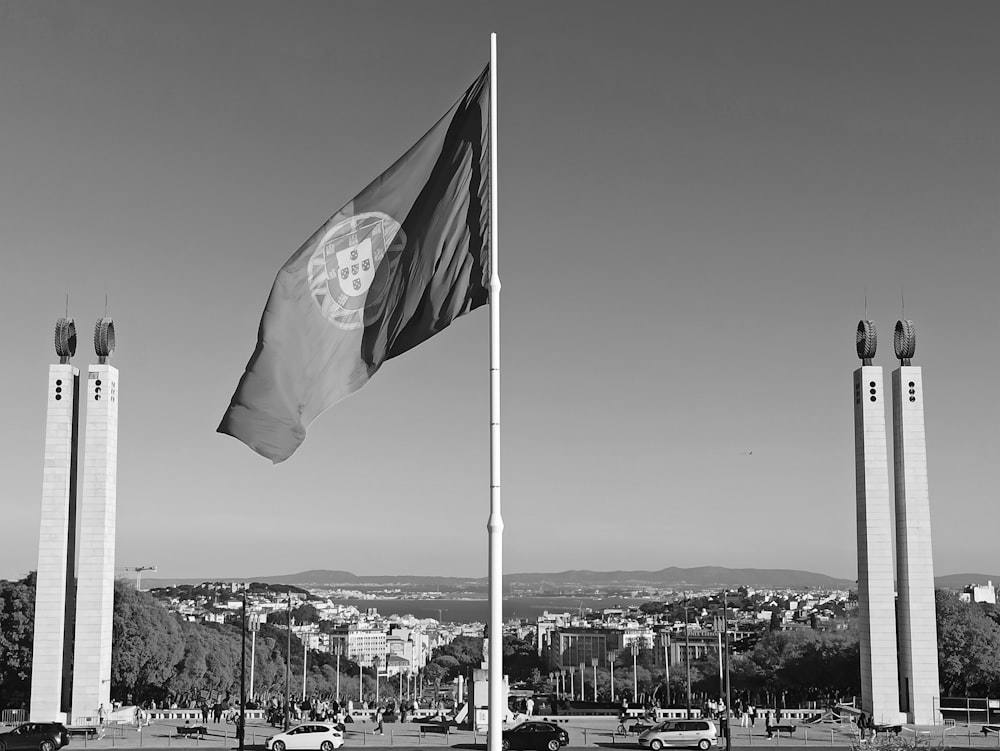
696, 199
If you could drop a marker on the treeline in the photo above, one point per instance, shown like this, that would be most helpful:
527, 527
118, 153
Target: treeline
159, 656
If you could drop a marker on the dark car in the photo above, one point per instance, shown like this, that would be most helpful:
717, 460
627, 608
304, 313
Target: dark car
543, 736
35, 736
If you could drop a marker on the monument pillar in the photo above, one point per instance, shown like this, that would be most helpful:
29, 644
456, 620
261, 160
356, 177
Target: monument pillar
876, 594
54, 583
96, 566
919, 689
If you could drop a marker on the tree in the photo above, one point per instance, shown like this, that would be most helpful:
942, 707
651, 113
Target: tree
17, 630
968, 647
147, 643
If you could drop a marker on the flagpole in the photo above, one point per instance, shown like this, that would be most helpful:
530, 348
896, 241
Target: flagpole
495, 523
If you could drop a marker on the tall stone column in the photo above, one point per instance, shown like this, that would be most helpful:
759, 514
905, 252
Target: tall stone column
54, 585
96, 567
918, 658
876, 593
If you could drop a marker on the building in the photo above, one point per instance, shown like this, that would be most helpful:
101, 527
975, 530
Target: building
980, 593
571, 646
361, 644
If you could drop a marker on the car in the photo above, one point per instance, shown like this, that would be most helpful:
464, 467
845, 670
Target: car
701, 734
543, 736
315, 736
36, 736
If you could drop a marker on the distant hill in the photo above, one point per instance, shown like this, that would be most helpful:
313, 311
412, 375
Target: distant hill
961, 581
673, 577
700, 577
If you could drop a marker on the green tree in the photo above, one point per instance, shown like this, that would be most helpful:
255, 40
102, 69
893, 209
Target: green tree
968, 647
17, 629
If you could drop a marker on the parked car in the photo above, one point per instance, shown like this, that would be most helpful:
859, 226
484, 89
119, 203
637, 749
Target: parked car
35, 736
314, 736
541, 736
700, 734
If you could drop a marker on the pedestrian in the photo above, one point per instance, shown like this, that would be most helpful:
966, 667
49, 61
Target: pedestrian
102, 714
769, 723
862, 724
378, 720
529, 706
753, 716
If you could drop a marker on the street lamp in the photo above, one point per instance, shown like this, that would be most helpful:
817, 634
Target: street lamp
725, 628
612, 656
634, 647
572, 684
687, 657
582, 671
305, 649
254, 628
288, 656
593, 661
338, 647
375, 662
243, 671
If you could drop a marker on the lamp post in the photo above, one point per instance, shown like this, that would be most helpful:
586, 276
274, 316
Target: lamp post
612, 656
288, 656
582, 672
361, 683
243, 672
687, 657
725, 629
376, 661
572, 683
338, 648
634, 647
666, 665
593, 661
305, 650
254, 628
562, 690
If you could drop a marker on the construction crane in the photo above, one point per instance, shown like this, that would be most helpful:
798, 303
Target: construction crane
138, 572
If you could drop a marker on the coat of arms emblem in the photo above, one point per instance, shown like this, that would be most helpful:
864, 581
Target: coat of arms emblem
352, 252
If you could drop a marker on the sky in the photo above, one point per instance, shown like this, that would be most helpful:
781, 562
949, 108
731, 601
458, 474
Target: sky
695, 200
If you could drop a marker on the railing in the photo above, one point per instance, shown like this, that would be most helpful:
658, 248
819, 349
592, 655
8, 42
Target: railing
13, 716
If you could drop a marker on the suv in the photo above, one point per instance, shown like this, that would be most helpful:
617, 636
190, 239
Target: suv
35, 736
695, 733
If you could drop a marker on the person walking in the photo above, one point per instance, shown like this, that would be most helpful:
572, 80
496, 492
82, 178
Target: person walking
753, 716
378, 720
862, 724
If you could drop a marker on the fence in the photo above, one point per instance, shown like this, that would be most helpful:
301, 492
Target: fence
969, 709
13, 716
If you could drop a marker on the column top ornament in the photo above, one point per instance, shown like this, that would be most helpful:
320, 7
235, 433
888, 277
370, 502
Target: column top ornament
904, 341
65, 339
867, 341
104, 339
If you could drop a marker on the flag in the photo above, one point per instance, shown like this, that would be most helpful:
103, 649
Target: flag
396, 265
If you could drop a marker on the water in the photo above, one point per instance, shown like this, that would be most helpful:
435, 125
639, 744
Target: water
472, 611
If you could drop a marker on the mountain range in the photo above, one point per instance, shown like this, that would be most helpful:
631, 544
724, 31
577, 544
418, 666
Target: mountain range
673, 577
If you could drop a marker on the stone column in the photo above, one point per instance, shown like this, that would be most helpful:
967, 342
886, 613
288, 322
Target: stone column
96, 569
876, 594
918, 657
56, 549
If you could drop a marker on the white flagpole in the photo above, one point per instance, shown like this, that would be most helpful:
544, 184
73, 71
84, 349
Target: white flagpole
495, 523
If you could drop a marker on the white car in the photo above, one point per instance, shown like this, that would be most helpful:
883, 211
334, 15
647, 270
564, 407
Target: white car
700, 734
314, 736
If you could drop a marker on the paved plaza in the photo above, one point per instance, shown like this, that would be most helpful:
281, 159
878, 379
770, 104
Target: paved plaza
585, 732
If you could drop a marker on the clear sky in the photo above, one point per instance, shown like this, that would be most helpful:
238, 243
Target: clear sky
694, 199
